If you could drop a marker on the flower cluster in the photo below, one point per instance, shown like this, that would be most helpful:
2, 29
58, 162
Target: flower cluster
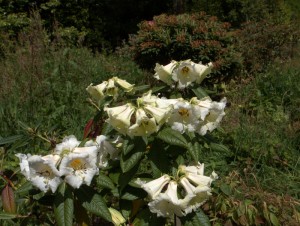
182, 73
109, 88
70, 163
152, 112
181, 195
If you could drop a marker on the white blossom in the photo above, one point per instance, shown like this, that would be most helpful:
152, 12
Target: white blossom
68, 144
154, 187
164, 73
41, 171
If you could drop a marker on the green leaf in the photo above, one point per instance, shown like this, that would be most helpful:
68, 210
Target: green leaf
200, 93
198, 218
7, 216
146, 218
64, 206
274, 220
24, 188
127, 147
93, 202
11, 139
131, 162
194, 150
141, 88
219, 148
105, 181
172, 137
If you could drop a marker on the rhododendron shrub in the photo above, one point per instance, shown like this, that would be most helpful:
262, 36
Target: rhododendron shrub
145, 163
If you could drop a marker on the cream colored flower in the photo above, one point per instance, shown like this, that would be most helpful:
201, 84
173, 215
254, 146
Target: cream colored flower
79, 167
201, 107
41, 171
203, 71
154, 187
68, 144
117, 217
167, 204
185, 74
147, 99
213, 118
119, 117
183, 117
105, 149
160, 114
124, 84
200, 194
144, 126
97, 92
164, 73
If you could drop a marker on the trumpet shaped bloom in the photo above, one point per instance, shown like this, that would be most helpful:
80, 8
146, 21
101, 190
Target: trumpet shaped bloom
183, 117
79, 167
201, 107
144, 125
119, 117
164, 73
41, 171
105, 149
68, 144
213, 118
203, 71
117, 217
185, 74
154, 187
160, 114
97, 91
110, 88
167, 204
199, 194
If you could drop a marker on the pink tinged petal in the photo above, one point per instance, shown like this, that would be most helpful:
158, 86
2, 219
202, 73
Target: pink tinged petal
153, 188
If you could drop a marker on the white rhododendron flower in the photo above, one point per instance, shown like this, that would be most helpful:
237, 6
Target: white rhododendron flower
183, 117
154, 187
160, 114
188, 72
41, 171
116, 216
200, 194
97, 92
201, 107
144, 126
119, 117
185, 74
213, 118
164, 73
110, 88
105, 149
195, 174
68, 144
147, 99
167, 204
79, 167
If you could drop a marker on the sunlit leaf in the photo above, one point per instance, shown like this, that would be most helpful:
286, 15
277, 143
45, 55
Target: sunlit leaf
131, 161
64, 206
105, 181
93, 202
198, 218
172, 137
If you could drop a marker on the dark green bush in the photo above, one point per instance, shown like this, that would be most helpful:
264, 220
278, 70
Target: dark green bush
262, 43
198, 37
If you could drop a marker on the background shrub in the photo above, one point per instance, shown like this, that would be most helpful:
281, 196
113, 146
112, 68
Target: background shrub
261, 43
197, 36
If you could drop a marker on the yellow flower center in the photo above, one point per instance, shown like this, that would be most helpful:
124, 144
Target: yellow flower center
185, 70
77, 164
183, 112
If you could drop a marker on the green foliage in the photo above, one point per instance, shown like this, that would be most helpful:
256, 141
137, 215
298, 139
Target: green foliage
197, 36
238, 12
